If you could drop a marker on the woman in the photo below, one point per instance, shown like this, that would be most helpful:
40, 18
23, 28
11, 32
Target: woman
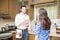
43, 26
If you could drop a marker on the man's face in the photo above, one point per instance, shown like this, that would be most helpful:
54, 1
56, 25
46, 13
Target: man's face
23, 9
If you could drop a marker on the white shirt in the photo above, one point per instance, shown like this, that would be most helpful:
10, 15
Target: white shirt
20, 21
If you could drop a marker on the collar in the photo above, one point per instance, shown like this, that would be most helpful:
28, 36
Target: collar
23, 14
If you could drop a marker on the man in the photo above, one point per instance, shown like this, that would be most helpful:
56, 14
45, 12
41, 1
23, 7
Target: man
22, 22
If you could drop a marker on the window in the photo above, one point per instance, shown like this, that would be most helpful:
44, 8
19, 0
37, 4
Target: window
58, 6
50, 7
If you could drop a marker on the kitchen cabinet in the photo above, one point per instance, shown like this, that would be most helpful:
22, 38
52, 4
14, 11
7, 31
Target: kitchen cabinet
13, 35
9, 7
54, 38
31, 37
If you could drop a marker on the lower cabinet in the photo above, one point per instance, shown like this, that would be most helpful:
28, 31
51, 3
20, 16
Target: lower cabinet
31, 37
54, 38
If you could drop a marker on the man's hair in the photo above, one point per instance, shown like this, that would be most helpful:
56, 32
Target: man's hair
22, 6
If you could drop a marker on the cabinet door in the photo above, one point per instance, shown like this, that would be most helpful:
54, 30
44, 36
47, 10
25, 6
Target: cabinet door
3, 6
13, 8
31, 37
54, 38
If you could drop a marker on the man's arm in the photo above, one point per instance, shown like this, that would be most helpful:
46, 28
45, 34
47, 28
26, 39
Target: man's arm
28, 22
19, 21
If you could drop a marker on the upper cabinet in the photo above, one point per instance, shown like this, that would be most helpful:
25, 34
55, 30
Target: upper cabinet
33, 2
3, 6
8, 9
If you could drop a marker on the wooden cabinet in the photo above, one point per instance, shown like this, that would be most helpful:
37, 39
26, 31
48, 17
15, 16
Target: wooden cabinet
13, 8
14, 35
9, 7
4, 6
31, 37
54, 38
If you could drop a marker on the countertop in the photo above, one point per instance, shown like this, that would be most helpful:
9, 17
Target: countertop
6, 35
53, 28
3, 24
53, 32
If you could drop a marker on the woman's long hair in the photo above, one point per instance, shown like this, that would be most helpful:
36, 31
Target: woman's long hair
46, 21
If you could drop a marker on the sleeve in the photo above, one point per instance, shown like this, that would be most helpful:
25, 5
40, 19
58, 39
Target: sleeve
17, 22
37, 28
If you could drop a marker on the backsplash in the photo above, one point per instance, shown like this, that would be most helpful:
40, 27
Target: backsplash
4, 22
